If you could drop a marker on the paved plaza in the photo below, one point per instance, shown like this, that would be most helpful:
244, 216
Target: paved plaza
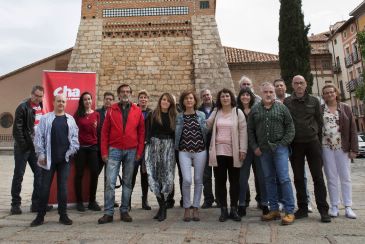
143, 229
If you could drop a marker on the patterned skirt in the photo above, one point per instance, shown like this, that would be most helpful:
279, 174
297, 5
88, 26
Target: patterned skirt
160, 165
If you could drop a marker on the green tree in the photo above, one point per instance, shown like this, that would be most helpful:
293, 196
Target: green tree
294, 48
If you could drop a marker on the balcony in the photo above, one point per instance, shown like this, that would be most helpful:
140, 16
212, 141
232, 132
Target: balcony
348, 61
355, 111
361, 110
336, 69
356, 57
354, 83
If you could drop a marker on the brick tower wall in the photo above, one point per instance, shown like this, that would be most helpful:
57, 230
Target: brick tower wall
156, 53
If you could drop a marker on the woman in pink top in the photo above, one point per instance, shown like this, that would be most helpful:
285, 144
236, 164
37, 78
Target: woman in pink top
87, 120
228, 149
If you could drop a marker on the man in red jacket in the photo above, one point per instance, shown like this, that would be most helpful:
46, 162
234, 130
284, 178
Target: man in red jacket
122, 142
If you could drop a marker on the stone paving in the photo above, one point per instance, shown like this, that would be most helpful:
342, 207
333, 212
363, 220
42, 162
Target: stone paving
143, 229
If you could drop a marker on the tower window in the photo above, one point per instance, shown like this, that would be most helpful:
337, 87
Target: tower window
204, 4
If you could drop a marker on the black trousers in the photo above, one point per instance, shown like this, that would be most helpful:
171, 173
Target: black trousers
144, 181
313, 152
86, 156
225, 165
170, 197
63, 170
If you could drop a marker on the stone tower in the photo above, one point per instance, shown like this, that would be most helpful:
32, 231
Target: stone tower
157, 45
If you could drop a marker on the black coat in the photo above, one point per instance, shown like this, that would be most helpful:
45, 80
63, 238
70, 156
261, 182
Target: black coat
23, 128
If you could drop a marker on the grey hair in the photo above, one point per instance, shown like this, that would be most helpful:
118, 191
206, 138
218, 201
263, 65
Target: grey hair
266, 83
244, 78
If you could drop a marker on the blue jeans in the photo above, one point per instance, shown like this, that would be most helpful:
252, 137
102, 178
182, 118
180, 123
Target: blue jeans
115, 159
275, 164
245, 175
63, 170
21, 158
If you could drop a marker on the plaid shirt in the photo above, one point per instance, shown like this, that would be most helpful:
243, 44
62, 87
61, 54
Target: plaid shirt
42, 140
268, 128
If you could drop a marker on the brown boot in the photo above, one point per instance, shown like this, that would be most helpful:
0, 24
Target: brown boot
125, 217
287, 219
272, 215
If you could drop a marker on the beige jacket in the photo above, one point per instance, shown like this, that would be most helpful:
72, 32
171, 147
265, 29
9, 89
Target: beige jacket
239, 136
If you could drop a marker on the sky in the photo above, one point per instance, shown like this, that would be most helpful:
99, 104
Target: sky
31, 30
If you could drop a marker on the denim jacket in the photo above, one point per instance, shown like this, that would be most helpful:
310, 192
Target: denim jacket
180, 125
42, 140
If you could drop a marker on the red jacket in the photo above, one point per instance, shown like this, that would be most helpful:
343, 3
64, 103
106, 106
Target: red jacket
113, 134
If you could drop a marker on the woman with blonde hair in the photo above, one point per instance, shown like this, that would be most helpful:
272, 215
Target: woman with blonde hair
339, 145
160, 152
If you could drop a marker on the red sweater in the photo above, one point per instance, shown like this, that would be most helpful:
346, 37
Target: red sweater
113, 134
88, 128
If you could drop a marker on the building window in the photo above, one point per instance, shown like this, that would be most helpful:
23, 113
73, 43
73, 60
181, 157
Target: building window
344, 34
342, 90
133, 12
6, 120
204, 4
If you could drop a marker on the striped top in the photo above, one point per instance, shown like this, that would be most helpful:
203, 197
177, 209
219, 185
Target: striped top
192, 137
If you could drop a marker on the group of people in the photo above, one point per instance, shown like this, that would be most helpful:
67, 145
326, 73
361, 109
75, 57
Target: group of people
227, 136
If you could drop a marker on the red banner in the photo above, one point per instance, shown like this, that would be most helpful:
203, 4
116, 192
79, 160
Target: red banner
72, 85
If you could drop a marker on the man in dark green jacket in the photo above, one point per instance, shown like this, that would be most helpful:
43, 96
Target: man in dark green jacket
306, 113
270, 131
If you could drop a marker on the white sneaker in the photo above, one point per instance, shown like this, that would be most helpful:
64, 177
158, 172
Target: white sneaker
333, 212
349, 213
310, 208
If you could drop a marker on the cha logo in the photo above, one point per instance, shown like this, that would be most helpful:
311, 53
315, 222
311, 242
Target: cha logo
69, 93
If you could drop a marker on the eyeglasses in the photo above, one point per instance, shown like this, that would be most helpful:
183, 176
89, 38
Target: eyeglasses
245, 84
328, 93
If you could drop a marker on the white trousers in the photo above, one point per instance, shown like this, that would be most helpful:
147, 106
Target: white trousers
196, 161
338, 171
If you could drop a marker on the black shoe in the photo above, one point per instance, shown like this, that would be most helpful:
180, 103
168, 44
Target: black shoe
325, 218
157, 214
234, 215
125, 217
170, 204
80, 207
39, 220
145, 204
94, 206
265, 210
181, 203
224, 214
15, 210
206, 205
34, 209
64, 219
241, 211
163, 214
116, 205
301, 213
105, 219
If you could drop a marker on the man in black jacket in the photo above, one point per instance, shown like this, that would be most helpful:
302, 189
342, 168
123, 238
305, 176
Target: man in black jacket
27, 116
306, 113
